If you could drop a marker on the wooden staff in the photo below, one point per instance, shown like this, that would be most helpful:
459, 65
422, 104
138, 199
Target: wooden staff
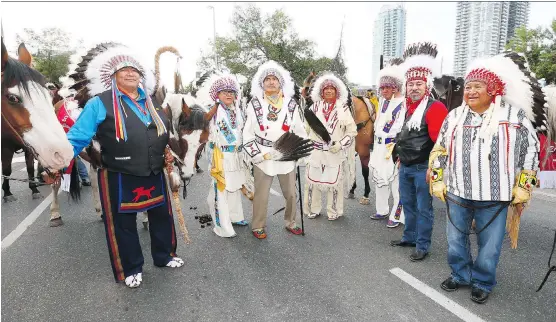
173, 188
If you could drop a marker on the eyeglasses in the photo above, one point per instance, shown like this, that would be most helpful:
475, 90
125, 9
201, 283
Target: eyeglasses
227, 92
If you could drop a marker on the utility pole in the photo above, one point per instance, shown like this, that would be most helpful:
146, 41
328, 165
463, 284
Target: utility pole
214, 31
441, 64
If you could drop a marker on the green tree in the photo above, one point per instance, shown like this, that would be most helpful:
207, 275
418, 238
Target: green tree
257, 39
539, 46
50, 50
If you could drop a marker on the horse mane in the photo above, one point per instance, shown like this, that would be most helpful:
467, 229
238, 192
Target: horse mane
15, 72
195, 120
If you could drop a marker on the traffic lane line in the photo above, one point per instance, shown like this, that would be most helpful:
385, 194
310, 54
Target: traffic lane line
434, 295
27, 222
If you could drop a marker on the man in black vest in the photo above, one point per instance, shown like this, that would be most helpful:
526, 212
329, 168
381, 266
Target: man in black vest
133, 135
423, 120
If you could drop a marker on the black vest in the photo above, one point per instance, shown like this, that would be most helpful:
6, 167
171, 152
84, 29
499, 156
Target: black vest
413, 146
143, 152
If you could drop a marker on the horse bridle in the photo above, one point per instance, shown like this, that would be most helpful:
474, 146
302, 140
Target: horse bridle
20, 139
361, 125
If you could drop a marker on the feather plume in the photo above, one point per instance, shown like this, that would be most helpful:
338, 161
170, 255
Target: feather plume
159, 52
396, 61
292, 147
316, 125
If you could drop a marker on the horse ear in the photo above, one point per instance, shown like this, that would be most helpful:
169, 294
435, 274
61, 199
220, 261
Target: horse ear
4, 55
184, 108
24, 55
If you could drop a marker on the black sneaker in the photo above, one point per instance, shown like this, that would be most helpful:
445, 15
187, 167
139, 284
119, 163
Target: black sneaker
401, 243
418, 255
449, 285
478, 295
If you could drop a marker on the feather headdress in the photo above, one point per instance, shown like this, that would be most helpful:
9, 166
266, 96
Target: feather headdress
329, 79
272, 68
392, 76
91, 74
420, 62
207, 94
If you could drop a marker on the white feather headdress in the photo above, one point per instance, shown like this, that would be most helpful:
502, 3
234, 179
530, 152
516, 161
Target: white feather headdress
420, 63
207, 94
90, 63
272, 68
391, 75
107, 63
329, 79
509, 79
520, 88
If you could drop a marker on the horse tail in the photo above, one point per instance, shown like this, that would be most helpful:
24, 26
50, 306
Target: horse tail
75, 188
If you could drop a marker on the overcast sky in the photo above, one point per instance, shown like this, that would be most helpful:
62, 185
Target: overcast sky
189, 27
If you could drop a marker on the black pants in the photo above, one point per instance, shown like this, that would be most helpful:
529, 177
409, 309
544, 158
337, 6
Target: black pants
125, 251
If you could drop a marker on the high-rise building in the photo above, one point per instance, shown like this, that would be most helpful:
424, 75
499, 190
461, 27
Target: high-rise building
484, 28
388, 36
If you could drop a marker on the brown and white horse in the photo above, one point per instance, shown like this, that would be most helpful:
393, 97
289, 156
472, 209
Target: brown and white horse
28, 120
191, 129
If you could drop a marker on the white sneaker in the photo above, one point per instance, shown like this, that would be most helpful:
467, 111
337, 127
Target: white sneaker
312, 216
175, 262
134, 280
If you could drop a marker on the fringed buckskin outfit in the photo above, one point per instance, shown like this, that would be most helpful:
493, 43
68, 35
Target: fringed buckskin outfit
388, 124
226, 166
326, 164
267, 119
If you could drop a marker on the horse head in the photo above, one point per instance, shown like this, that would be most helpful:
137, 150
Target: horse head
191, 130
448, 90
28, 114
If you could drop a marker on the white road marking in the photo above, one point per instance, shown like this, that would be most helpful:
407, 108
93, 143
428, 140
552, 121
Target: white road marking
434, 295
28, 221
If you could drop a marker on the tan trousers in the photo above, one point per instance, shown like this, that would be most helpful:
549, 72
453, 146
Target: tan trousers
312, 200
263, 182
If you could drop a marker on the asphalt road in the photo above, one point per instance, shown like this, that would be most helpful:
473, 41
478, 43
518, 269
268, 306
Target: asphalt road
339, 271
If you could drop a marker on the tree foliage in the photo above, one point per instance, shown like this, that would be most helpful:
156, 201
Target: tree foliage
50, 50
539, 46
257, 39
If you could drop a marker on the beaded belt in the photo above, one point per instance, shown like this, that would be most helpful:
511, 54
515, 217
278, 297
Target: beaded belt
263, 141
321, 146
226, 148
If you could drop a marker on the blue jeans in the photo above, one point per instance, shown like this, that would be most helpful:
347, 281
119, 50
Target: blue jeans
482, 273
417, 205
83, 173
